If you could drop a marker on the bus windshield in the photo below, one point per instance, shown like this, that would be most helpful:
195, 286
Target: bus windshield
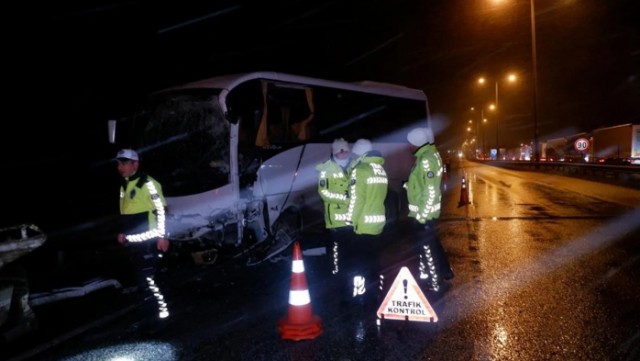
183, 138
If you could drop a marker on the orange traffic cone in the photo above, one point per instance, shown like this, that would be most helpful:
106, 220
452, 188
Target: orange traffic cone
464, 194
300, 323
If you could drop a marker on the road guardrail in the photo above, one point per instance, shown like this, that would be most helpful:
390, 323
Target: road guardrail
623, 175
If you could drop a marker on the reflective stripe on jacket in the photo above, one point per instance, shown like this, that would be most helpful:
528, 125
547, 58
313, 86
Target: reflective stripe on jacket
333, 186
423, 187
141, 194
368, 191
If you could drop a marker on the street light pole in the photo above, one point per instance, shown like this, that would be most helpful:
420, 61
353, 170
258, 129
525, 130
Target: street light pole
482, 120
478, 150
497, 123
494, 106
536, 151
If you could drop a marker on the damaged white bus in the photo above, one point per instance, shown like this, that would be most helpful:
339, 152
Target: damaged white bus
236, 154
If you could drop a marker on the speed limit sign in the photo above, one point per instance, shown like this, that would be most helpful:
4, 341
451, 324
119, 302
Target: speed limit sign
581, 144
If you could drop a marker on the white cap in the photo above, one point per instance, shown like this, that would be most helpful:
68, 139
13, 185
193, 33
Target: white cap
420, 136
127, 154
339, 145
361, 146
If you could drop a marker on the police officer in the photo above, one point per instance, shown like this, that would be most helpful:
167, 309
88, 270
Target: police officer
447, 163
366, 214
424, 198
142, 222
333, 188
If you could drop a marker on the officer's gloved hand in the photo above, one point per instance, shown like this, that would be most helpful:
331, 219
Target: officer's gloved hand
162, 244
122, 238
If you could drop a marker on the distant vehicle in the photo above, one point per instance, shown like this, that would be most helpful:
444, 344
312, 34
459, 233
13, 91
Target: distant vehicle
574, 159
618, 161
562, 149
617, 142
236, 154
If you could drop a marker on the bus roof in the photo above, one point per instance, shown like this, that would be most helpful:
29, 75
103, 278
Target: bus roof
612, 127
230, 81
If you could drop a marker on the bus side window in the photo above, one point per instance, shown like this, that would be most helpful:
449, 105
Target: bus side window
302, 129
290, 113
279, 124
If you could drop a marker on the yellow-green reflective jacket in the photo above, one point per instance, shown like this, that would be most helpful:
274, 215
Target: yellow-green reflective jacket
333, 187
423, 187
142, 206
368, 190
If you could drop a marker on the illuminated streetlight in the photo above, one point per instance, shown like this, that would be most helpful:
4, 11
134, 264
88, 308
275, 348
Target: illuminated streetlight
476, 135
483, 120
536, 153
534, 71
511, 78
484, 154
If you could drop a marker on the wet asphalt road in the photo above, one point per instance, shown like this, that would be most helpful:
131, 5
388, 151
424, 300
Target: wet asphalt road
547, 268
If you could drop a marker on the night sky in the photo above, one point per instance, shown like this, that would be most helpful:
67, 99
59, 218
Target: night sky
83, 62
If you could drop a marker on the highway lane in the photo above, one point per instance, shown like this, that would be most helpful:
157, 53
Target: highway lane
546, 268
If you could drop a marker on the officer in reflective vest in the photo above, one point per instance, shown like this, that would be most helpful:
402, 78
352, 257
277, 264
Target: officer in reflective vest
142, 223
424, 198
366, 214
333, 188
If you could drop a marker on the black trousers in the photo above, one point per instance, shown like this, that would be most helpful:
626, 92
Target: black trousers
426, 239
353, 255
145, 262
338, 246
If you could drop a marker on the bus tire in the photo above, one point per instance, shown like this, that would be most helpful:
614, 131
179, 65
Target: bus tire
286, 229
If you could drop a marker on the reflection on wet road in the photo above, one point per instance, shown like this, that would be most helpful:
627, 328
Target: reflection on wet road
546, 269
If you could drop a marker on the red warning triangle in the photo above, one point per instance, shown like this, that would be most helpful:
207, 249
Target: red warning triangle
405, 301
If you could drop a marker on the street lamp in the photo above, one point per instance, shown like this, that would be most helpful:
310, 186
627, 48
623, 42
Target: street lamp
534, 72
482, 120
536, 153
511, 78
477, 135
484, 154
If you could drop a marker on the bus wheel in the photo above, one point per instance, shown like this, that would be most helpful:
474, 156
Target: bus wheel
286, 230
288, 227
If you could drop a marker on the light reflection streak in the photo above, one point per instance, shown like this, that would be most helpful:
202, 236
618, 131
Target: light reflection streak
156, 351
470, 190
501, 335
517, 277
202, 18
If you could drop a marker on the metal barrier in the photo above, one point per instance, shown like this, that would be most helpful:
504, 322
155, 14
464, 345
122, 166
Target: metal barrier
623, 175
